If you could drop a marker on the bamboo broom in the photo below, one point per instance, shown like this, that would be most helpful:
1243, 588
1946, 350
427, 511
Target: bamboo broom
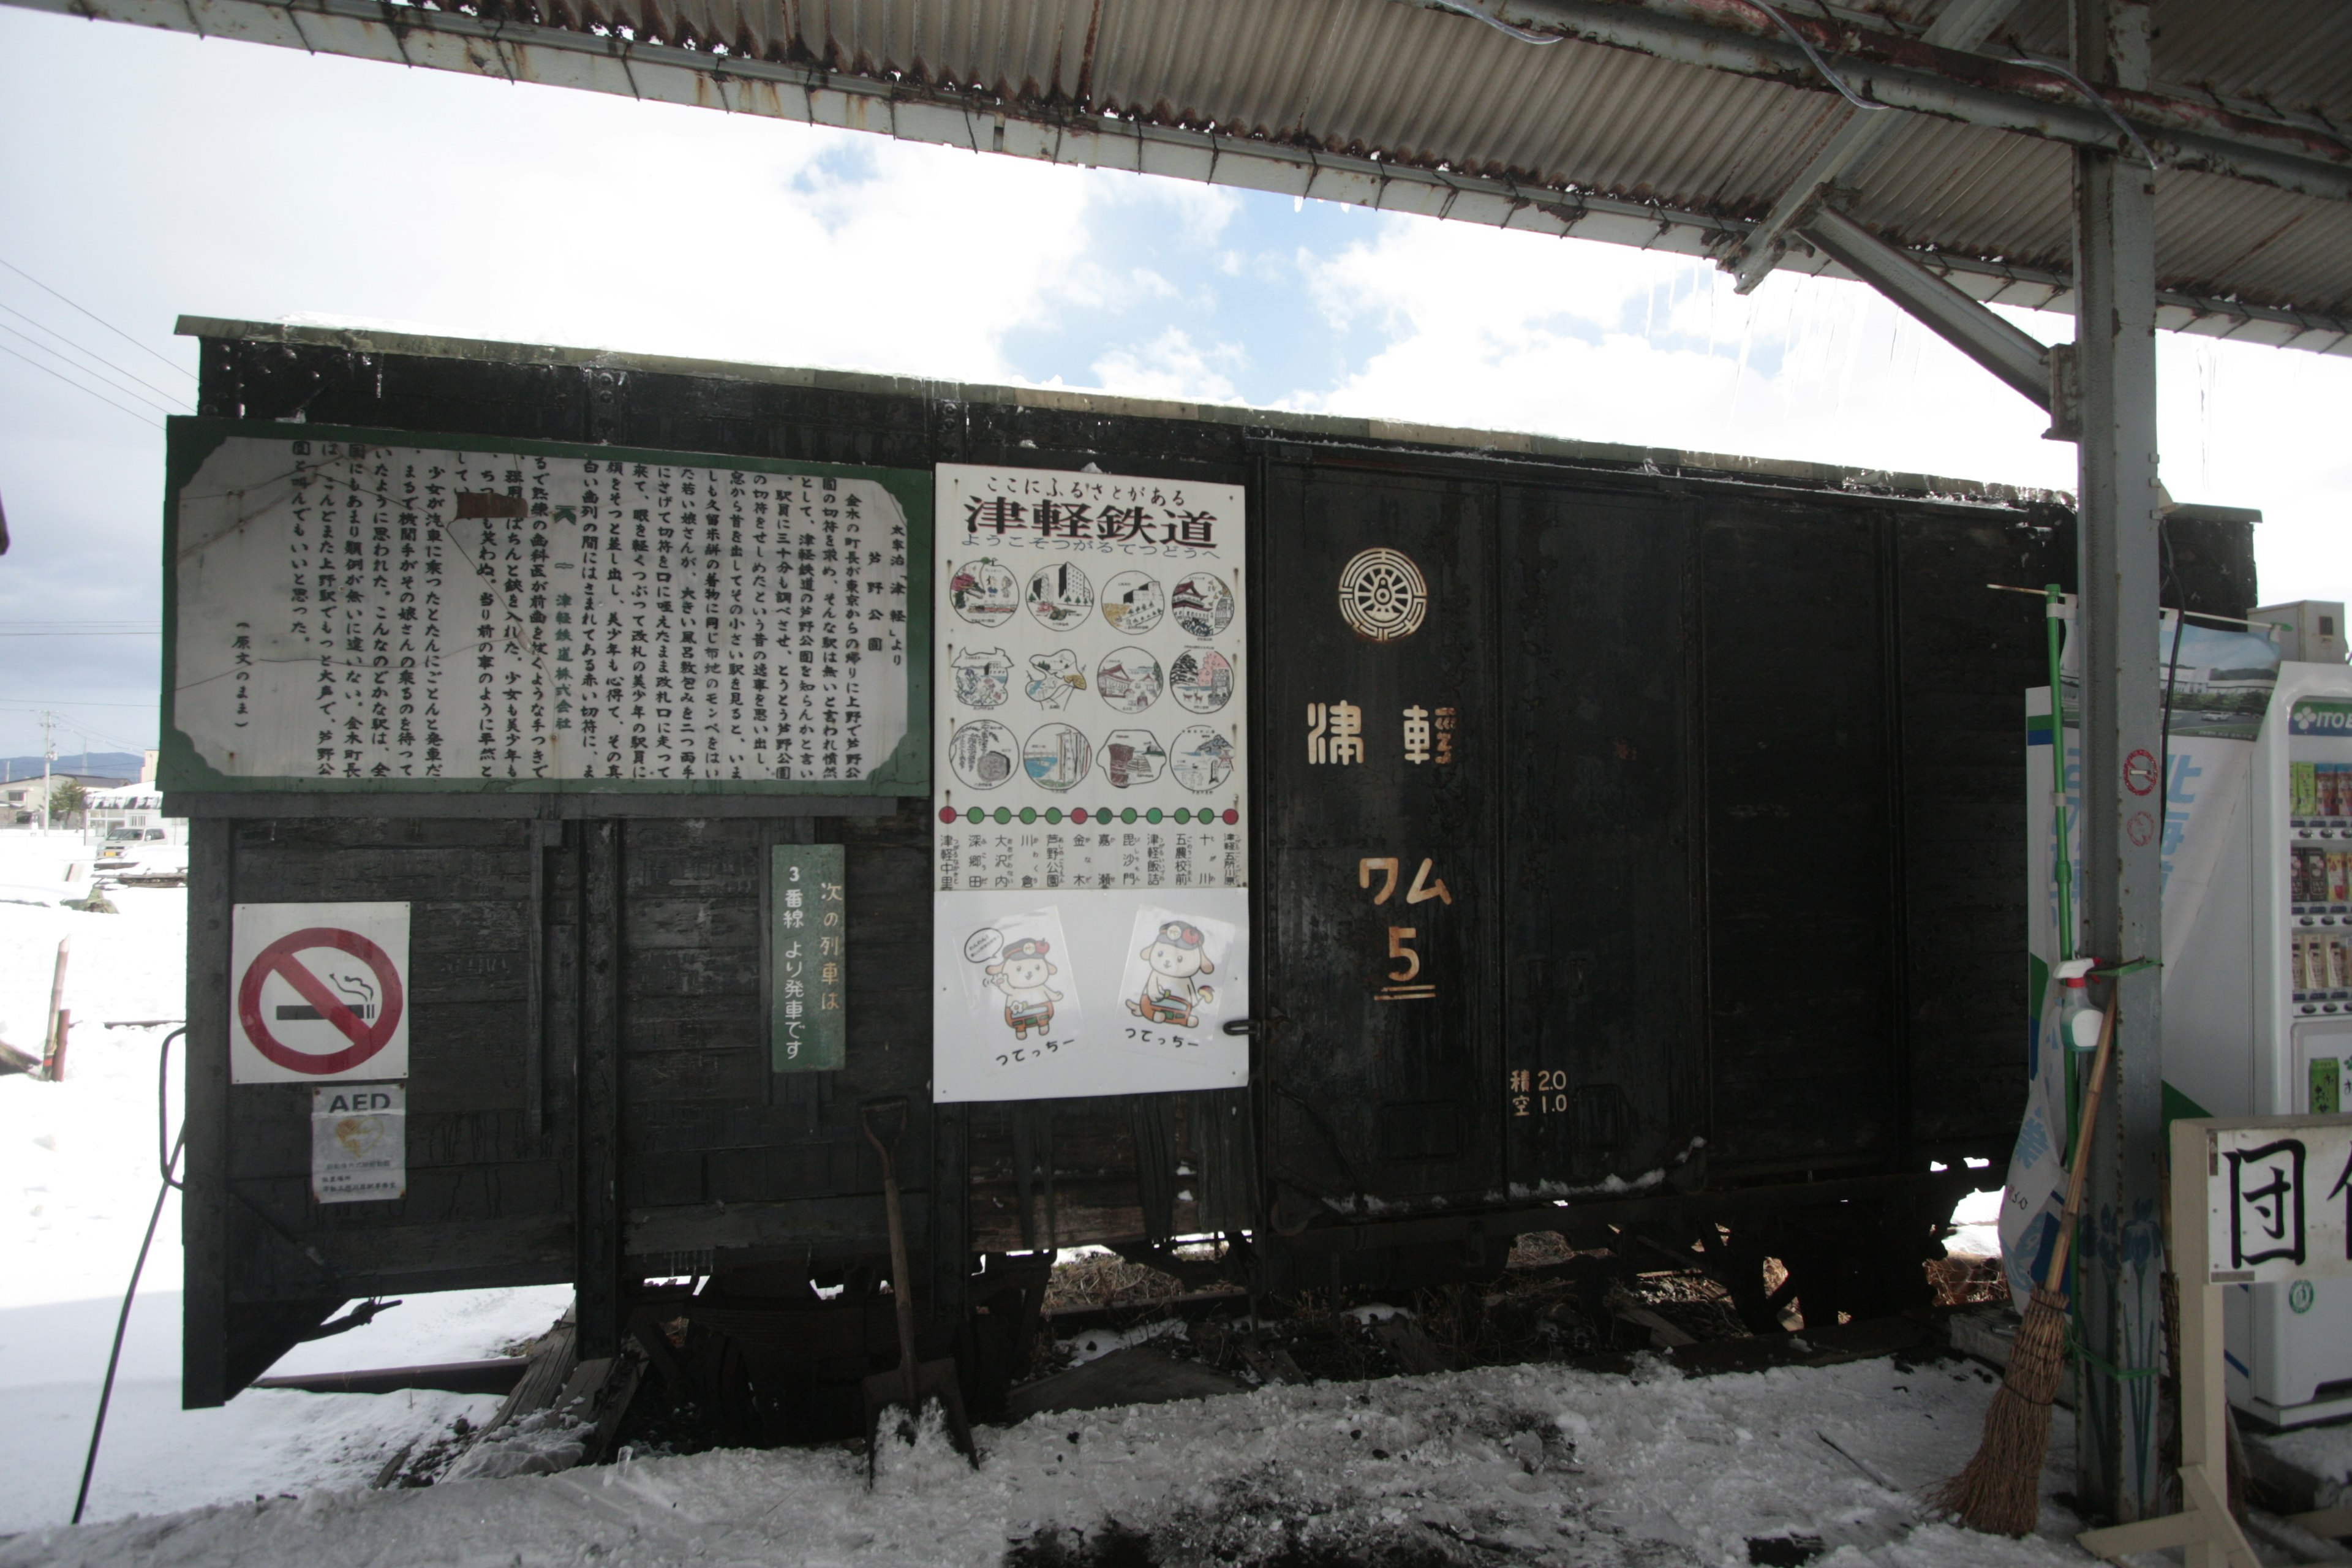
2000, 1492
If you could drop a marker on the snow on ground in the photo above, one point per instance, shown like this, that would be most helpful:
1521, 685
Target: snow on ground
1520, 1464
78, 1181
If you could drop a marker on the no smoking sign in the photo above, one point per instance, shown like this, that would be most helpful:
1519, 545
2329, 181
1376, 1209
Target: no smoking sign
319, 991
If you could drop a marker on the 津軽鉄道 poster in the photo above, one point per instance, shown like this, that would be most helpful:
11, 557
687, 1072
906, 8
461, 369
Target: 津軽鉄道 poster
1091, 858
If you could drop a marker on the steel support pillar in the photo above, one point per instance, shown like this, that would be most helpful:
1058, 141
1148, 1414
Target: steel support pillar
2120, 1250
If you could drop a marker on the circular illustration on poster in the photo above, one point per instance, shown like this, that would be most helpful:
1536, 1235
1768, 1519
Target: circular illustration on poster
1053, 678
1203, 680
1202, 758
1133, 757
980, 753
1383, 595
1060, 596
1058, 756
983, 676
984, 592
1203, 604
1133, 603
1129, 680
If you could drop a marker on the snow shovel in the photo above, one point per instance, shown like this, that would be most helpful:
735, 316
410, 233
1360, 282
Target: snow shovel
912, 1382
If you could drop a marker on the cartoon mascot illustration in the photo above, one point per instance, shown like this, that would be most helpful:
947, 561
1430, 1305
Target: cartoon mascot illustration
1171, 994
1021, 972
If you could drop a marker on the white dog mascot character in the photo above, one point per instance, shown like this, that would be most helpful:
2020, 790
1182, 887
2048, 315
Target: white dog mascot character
1021, 972
1170, 992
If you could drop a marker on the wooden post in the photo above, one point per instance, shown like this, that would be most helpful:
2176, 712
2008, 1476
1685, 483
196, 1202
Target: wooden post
55, 1070
600, 1249
203, 1212
57, 1005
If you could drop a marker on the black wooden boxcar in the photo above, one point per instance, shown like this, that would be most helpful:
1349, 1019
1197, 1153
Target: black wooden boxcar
1733, 955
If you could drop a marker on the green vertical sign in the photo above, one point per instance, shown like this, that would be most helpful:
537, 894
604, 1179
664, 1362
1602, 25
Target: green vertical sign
808, 927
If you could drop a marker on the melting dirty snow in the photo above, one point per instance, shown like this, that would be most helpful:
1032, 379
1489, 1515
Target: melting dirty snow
1522, 1464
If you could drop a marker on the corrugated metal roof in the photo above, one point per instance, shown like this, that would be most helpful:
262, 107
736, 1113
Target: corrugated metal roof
1412, 108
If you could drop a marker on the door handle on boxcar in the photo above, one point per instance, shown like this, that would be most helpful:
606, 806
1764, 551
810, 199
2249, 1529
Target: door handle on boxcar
1240, 1026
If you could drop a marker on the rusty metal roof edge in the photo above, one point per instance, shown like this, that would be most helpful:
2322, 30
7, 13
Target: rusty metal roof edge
1663, 461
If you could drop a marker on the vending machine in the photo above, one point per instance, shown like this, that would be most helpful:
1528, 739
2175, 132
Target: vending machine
2255, 811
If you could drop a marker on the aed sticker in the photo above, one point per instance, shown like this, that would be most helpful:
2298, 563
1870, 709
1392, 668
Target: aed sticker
317, 992
358, 1143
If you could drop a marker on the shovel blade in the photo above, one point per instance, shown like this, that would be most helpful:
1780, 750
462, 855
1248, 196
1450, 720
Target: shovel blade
931, 1380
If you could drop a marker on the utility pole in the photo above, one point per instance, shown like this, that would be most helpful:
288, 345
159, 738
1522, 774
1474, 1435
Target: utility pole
49, 756
2120, 1249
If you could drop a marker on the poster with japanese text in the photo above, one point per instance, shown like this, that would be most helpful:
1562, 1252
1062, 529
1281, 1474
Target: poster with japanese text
1091, 692
353, 610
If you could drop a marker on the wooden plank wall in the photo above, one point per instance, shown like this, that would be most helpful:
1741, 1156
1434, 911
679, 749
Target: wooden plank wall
488, 1185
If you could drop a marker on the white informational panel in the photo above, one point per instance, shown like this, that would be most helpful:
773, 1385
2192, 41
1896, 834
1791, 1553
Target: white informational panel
318, 993
1092, 852
411, 616
358, 1143
2278, 1199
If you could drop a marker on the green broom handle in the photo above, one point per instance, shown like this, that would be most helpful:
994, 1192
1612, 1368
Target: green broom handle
2057, 599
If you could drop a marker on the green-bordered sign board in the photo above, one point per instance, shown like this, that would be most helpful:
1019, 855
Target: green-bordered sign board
808, 959
385, 611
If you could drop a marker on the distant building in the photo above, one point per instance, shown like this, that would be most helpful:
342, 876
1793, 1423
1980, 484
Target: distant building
24, 798
132, 811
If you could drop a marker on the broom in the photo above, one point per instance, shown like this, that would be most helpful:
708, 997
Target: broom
2000, 1491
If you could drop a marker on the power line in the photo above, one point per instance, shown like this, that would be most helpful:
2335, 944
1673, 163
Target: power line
77, 386
101, 320
85, 369
92, 354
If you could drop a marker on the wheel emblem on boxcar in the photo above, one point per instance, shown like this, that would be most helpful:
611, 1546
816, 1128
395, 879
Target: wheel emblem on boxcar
1382, 596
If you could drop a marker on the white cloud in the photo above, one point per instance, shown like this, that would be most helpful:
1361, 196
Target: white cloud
1172, 366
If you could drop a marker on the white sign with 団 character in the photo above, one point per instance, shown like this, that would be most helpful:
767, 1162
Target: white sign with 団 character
358, 1143
2278, 1199
317, 992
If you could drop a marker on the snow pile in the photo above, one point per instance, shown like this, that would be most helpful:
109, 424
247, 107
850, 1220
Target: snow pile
1095, 1343
1525, 1464
539, 1443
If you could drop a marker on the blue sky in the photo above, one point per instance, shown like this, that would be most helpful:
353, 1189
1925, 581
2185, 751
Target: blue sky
145, 174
